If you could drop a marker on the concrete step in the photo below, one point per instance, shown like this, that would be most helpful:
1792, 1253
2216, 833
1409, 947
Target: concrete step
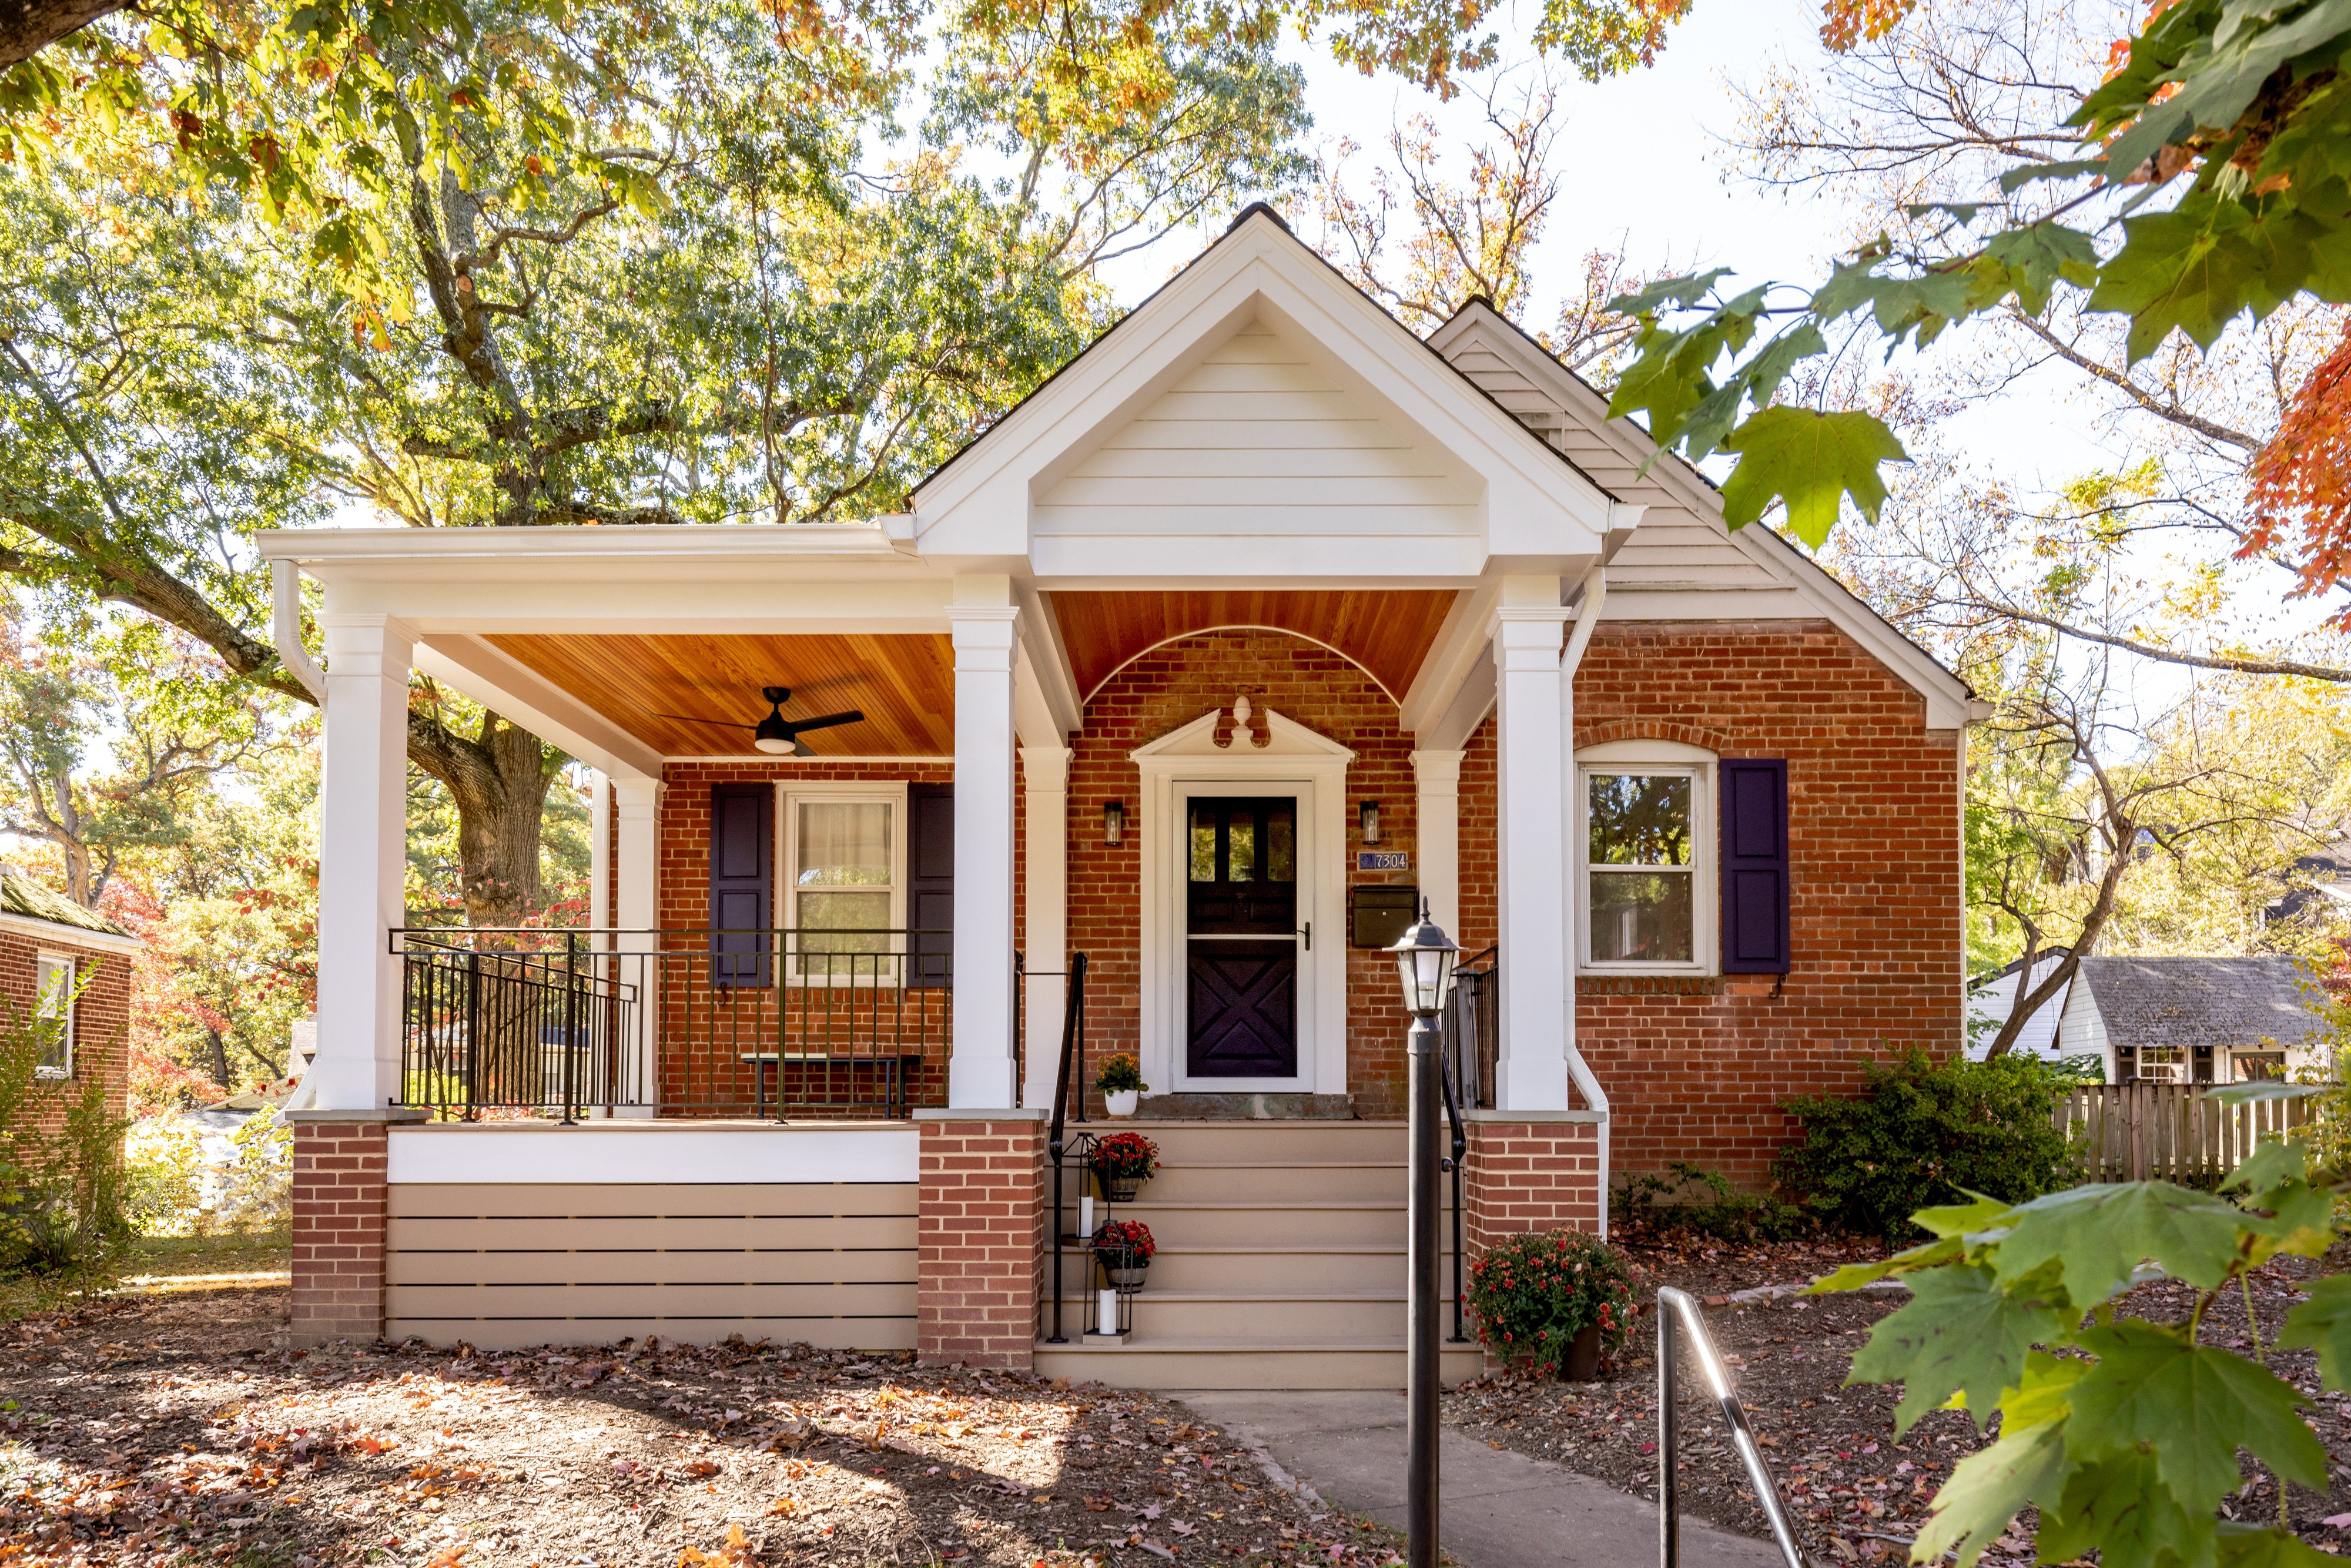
1160, 1314
1261, 1222
1216, 1180
1210, 1363
1280, 1141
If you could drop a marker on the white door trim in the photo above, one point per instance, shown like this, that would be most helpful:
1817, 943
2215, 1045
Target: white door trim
1295, 761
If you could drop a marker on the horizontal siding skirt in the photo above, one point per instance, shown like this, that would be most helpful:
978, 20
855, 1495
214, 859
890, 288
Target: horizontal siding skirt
692, 1299
653, 1234
1256, 376
894, 1266
1255, 347
517, 1334
744, 1200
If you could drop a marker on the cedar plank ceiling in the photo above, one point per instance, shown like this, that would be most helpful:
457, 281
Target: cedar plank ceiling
1388, 631
905, 684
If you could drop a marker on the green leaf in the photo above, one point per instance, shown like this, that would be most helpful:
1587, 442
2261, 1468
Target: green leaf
2102, 1232
1854, 1276
1685, 292
2260, 1091
2194, 268
2273, 1161
2298, 1219
2120, 1507
2322, 1323
1989, 1488
2195, 1407
2264, 1546
2038, 256
1960, 1333
1810, 460
2015, 179
1979, 1215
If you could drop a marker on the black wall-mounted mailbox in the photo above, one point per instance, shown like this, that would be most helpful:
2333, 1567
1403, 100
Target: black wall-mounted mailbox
1379, 914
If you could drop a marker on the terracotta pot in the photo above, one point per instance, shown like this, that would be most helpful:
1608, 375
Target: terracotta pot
1120, 1103
1582, 1364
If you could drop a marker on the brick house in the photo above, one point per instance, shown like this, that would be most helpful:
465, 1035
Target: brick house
1142, 730
70, 969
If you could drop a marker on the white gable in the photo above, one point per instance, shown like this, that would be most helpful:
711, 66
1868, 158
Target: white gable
1263, 436
1260, 418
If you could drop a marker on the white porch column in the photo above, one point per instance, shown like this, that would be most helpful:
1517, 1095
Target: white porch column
980, 1074
362, 842
635, 907
1533, 1071
1045, 777
1437, 822
599, 852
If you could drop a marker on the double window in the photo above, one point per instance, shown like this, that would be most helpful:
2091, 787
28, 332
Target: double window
1646, 853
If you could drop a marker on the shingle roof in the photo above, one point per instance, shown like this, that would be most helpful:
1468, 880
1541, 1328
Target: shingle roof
2201, 1002
20, 894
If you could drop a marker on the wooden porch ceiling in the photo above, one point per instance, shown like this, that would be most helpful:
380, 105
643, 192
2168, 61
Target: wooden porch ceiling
1388, 631
904, 683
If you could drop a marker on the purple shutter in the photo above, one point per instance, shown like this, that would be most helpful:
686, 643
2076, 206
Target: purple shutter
930, 884
1754, 865
742, 882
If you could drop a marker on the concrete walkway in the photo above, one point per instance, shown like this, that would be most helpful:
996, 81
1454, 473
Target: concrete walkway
1499, 1509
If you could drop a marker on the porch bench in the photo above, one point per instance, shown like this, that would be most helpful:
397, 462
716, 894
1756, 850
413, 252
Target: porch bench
895, 1065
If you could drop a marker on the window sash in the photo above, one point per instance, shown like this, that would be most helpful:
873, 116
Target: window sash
53, 1014
871, 949
1698, 869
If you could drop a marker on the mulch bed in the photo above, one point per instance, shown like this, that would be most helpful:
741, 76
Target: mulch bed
170, 1429
1856, 1494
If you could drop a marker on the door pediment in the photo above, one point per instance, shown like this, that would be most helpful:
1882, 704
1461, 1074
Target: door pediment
1287, 741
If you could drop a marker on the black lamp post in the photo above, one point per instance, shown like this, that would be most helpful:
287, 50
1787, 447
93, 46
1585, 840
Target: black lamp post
1425, 958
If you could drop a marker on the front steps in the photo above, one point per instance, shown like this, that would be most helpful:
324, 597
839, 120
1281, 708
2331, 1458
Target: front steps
1280, 1262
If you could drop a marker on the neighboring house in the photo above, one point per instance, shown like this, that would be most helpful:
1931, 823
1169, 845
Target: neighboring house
1991, 998
2323, 898
1259, 623
2193, 1020
70, 969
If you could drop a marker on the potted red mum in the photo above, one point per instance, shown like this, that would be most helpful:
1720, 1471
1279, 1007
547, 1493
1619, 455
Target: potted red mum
1122, 1162
1123, 1248
1553, 1302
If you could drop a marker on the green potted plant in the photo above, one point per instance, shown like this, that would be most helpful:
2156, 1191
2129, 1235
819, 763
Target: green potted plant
1122, 1162
1120, 1083
1552, 1301
1123, 1248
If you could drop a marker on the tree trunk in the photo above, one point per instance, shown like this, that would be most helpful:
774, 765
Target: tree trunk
29, 26
2095, 922
220, 1057
498, 781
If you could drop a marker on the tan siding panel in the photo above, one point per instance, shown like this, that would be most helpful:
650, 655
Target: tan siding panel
733, 1267
516, 1334
687, 1300
528, 1200
641, 1233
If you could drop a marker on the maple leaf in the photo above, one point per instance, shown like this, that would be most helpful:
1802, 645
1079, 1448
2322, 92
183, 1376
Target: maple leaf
1811, 461
2302, 480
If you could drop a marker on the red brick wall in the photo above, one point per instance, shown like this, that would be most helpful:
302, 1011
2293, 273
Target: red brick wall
101, 1021
1528, 1175
1164, 690
339, 1229
981, 1235
705, 1033
1696, 1070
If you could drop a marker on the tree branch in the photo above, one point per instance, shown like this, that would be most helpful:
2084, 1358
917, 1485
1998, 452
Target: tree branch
2233, 663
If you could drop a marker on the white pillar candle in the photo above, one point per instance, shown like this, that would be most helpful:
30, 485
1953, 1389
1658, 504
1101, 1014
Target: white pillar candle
1108, 1312
1086, 1215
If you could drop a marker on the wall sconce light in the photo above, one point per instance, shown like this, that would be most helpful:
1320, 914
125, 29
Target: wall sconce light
1367, 817
1113, 823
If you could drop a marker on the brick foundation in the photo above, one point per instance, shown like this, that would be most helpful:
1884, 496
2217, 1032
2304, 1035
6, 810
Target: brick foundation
980, 1234
339, 1230
1527, 1174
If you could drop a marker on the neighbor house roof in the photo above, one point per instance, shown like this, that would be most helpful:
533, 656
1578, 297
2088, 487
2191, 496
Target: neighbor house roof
22, 896
2232, 1002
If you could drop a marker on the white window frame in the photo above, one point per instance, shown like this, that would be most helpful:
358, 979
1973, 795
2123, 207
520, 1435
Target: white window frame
790, 798
55, 1002
1651, 757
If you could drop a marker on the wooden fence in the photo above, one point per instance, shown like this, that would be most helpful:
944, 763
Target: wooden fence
2141, 1132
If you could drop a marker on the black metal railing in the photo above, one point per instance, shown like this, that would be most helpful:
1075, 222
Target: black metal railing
766, 1023
1059, 1146
1677, 1316
1472, 1021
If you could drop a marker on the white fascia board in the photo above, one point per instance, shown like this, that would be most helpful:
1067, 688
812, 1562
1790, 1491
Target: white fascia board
57, 935
720, 599
498, 681
1536, 505
1459, 649
1814, 592
647, 1152
797, 542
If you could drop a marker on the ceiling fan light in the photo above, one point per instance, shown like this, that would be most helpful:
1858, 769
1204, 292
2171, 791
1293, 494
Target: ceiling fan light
776, 745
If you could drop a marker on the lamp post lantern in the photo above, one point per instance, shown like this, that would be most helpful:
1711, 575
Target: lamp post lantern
1424, 957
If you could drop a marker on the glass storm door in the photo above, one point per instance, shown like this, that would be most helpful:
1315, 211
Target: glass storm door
1242, 937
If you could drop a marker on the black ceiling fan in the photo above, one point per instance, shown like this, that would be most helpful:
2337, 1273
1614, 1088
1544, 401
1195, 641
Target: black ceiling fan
775, 734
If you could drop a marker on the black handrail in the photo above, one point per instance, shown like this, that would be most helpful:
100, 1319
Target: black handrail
1675, 1306
1073, 1051
1452, 1163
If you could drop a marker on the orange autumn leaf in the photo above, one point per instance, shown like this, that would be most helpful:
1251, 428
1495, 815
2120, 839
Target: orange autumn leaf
2301, 482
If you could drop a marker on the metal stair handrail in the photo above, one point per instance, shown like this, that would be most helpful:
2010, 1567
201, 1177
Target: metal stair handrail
1679, 1307
1057, 1144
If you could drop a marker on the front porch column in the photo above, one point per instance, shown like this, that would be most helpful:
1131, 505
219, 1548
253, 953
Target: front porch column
1437, 822
362, 861
1533, 1071
636, 856
980, 1074
1045, 777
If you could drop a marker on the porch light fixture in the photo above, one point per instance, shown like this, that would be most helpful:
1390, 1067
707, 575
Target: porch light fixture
1424, 957
1113, 823
1367, 817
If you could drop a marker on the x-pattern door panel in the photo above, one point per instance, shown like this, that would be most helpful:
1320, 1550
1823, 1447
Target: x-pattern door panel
1241, 920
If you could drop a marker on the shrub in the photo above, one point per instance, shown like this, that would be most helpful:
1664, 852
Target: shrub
1923, 1133
1533, 1293
1671, 1203
1119, 1071
257, 1188
64, 1187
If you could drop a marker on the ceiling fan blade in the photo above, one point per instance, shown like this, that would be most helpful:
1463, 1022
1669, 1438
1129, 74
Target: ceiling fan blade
798, 725
695, 718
